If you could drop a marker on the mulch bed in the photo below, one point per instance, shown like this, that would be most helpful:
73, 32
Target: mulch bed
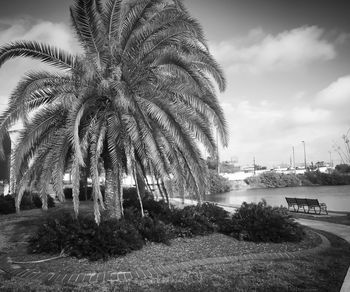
152, 254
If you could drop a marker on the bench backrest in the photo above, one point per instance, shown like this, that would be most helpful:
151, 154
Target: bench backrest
291, 200
312, 202
301, 202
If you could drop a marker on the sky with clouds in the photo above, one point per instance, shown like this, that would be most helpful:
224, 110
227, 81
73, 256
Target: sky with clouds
287, 65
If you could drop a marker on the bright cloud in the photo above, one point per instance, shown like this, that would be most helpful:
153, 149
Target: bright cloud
56, 34
260, 52
306, 116
337, 94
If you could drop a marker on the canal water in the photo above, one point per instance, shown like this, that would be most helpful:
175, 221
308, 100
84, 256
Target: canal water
337, 198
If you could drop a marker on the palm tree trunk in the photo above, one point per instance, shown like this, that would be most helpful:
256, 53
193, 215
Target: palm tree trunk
140, 182
112, 192
165, 192
138, 191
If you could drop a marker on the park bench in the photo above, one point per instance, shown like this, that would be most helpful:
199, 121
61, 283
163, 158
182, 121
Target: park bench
292, 203
306, 205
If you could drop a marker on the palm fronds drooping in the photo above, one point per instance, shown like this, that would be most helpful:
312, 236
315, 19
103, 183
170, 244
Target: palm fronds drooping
141, 98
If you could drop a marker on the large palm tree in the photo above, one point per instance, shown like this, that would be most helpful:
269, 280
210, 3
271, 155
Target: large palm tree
141, 98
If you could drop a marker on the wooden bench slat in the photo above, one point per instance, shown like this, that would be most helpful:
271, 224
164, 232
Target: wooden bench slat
302, 203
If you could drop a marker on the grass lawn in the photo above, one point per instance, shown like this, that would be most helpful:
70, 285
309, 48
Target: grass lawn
320, 272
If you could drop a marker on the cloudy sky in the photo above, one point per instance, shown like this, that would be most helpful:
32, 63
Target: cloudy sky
287, 64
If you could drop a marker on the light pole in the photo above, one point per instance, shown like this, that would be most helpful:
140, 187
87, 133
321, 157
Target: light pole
293, 158
304, 154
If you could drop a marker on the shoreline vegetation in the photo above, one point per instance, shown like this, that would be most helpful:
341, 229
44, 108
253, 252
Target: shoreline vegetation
280, 180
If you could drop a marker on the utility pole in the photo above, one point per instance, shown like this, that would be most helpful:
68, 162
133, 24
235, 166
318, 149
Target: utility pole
254, 164
330, 158
293, 158
304, 154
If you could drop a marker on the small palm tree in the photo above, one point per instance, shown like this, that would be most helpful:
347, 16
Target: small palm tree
141, 98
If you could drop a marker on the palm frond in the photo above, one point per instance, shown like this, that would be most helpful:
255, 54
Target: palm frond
87, 22
42, 52
112, 18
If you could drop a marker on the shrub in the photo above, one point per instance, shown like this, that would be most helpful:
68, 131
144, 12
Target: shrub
262, 223
7, 204
159, 209
113, 237
193, 219
68, 193
334, 178
38, 204
130, 197
272, 179
83, 238
343, 168
29, 201
218, 183
154, 230
218, 216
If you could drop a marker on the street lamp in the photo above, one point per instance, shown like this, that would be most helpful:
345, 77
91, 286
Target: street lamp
304, 154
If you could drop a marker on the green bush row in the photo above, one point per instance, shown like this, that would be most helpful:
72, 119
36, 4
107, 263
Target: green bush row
29, 201
273, 180
217, 183
320, 178
309, 178
82, 237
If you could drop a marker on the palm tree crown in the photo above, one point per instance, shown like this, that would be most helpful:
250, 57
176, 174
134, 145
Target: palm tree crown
141, 98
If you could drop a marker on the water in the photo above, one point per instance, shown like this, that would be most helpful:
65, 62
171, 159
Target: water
337, 198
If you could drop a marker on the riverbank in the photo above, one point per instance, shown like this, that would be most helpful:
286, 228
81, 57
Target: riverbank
337, 198
311, 178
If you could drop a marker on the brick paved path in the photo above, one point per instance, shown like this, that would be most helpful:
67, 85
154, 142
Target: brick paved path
157, 270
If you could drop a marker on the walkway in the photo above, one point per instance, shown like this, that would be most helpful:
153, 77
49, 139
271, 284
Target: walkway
342, 231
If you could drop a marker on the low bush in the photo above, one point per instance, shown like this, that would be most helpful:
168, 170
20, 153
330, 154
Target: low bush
7, 204
84, 195
272, 179
82, 237
130, 198
262, 223
218, 184
154, 230
320, 178
159, 210
29, 201
193, 219
218, 216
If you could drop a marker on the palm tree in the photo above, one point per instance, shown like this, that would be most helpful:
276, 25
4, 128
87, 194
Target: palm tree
141, 98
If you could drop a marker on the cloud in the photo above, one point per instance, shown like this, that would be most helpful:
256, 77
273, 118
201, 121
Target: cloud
57, 34
301, 116
337, 94
260, 52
